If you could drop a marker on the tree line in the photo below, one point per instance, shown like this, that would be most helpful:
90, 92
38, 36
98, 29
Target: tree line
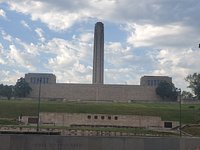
20, 89
167, 91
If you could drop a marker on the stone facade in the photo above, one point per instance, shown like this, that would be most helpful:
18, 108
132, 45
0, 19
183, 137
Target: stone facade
44, 78
95, 92
154, 80
100, 120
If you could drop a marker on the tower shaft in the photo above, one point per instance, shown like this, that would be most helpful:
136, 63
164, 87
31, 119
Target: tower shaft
98, 56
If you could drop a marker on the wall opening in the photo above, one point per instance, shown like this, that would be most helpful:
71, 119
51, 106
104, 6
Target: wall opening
167, 124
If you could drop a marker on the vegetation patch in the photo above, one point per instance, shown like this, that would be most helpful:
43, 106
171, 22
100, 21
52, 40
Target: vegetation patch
192, 129
167, 111
8, 122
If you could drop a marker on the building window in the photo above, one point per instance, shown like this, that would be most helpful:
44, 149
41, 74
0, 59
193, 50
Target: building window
116, 118
109, 117
102, 117
149, 82
154, 82
95, 117
89, 117
47, 80
31, 80
38, 80
34, 80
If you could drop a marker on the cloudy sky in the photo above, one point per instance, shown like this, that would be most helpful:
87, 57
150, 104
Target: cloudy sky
142, 37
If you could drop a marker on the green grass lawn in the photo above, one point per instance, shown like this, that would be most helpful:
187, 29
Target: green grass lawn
14, 108
193, 130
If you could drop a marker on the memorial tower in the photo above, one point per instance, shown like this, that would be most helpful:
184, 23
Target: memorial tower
98, 55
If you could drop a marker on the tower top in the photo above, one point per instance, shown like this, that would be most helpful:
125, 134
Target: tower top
100, 23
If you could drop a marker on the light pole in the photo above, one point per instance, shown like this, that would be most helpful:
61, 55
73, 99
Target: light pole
180, 111
38, 113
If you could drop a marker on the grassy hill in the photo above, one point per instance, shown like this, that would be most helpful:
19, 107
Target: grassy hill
190, 112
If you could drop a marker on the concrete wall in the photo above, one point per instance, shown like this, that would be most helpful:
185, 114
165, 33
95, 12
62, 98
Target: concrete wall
45, 142
66, 119
70, 119
116, 93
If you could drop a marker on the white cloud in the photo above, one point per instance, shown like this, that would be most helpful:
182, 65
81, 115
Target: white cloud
10, 77
2, 13
40, 33
122, 76
20, 59
1, 49
6, 36
30, 48
68, 60
86, 37
25, 24
2, 61
157, 36
2, 54
15, 55
117, 54
62, 14
177, 64
56, 20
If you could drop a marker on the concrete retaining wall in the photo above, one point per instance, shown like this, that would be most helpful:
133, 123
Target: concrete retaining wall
66, 119
46, 142
69, 119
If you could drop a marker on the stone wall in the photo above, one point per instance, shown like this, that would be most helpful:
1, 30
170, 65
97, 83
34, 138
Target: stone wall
95, 92
154, 80
43, 78
66, 119
104, 120
47, 142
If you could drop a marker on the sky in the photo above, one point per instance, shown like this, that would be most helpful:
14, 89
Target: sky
142, 37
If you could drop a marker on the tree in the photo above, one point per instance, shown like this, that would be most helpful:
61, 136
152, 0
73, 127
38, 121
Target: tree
22, 88
6, 91
167, 91
194, 84
1, 89
186, 95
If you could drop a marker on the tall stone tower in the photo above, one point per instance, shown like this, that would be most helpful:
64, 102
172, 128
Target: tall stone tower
98, 55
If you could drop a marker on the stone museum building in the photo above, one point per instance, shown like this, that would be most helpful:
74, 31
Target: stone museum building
97, 91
